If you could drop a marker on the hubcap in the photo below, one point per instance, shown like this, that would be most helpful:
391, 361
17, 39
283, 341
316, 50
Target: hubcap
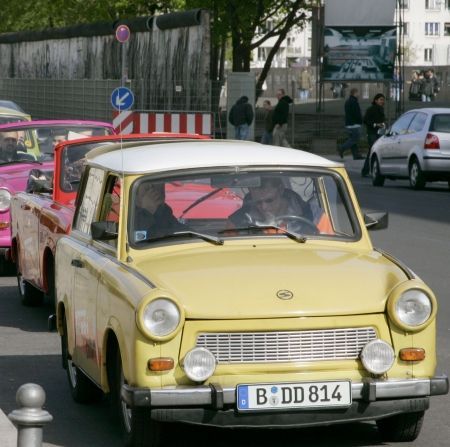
126, 411
414, 173
21, 285
375, 169
72, 373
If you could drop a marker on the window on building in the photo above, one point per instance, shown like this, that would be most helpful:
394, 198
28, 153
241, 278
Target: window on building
309, 43
405, 28
446, 29
428, 54
432, 4
431, 29
404, 4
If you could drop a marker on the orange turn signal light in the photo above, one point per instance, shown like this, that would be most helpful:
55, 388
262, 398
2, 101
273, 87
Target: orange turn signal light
160, 364
412, 354
4, 225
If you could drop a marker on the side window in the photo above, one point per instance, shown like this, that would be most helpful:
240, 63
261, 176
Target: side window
89, 202
110, 206
400, 127
110, 209
417, 123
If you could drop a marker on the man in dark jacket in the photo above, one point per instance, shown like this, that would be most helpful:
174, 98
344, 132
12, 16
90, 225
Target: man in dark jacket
374, 119
241, 117
280, 119
353, 122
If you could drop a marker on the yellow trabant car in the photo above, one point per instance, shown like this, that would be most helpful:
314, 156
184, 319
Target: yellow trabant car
9, 115
228, 283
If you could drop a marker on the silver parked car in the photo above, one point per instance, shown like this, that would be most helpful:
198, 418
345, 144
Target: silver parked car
416, 146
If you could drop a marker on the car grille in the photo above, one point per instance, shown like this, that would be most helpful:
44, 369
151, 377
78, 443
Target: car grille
286, 346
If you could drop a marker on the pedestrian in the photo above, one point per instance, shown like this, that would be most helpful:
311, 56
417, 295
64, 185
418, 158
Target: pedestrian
305, 84
430, 86
267, 137
353, 122
415, 87
374, 119
280, 119
396, 85
241, 117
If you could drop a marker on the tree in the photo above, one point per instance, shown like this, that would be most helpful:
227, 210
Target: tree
245, 22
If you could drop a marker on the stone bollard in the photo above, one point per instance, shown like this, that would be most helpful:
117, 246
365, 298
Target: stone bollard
30, 418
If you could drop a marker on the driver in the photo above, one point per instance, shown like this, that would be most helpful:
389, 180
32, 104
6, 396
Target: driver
9, 146
268, 203
153, 217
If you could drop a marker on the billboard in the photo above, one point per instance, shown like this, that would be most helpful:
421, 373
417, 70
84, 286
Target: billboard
359, 53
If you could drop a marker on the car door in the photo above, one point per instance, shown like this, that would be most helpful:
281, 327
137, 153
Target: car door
391, 153
86, 266
411, 141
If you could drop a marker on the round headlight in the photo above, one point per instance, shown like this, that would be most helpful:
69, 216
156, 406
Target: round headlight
413, 308
5, 199
199, 364
377, 356
161, 317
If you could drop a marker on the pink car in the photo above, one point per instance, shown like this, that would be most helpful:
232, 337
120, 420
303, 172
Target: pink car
28, 145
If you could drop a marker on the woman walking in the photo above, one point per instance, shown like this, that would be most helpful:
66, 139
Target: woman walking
374, 119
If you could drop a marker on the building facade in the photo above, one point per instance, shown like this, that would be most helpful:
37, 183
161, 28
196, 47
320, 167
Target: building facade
426, 25
295, 50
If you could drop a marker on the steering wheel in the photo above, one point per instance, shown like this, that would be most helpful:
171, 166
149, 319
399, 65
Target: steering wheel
297, 223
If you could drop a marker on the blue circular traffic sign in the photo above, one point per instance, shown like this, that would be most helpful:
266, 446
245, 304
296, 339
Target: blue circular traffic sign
123, 33
122, 98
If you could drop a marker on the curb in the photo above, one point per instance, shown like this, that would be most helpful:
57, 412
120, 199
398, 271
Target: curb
8, 432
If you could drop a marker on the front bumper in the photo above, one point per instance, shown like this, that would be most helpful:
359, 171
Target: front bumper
216, 406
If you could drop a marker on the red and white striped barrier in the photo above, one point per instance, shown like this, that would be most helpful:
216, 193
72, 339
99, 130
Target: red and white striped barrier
127, 122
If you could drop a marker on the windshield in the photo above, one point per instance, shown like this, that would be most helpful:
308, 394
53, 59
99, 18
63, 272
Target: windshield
73, 159
38, 143
6, 119
297, 204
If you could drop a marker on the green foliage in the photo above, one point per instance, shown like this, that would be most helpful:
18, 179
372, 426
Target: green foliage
19, 15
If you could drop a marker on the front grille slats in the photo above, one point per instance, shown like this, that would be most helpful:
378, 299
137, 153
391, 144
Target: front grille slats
286, 346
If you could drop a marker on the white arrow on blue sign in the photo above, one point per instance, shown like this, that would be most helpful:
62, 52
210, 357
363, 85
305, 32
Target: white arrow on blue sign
122, 98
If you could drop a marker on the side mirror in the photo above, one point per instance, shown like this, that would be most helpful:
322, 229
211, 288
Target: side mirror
376, 220
104, 230
40, 182
382, 131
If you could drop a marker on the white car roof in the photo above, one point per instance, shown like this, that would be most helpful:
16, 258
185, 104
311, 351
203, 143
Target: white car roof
431, 110
175, 155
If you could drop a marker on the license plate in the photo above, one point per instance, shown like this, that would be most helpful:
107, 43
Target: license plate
294, 395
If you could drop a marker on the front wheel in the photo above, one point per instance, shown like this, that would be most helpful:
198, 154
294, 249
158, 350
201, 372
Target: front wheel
29, 295
82, 389
416, 176
138, 428
377, 178
401, 428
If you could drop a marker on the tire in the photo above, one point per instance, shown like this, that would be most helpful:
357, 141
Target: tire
416, 178
401, 428
51, 283
137, 427
377, 178
29, 295
82, 389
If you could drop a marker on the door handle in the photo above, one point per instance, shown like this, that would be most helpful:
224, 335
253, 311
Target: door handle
25, 207
77, 263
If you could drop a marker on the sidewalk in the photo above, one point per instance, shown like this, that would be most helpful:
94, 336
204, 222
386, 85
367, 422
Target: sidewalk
8, 433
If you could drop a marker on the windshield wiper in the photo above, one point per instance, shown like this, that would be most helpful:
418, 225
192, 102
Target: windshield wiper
206, 237
12, 162
296, 237
200, 200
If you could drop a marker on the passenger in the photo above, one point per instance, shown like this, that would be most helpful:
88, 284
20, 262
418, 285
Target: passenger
266, 204
153, 217
9, 146
59, 137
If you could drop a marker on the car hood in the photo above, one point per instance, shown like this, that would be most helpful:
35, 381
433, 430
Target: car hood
15, 176
239, 282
